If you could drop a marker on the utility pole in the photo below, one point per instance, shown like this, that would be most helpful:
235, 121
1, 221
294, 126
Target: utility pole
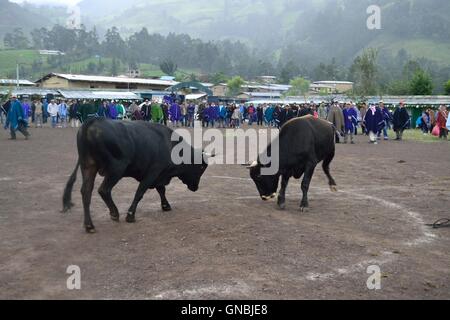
17, 73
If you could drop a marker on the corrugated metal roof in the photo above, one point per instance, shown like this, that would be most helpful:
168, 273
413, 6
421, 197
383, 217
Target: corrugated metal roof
29, 91
263, 94
79, 77
107, 95
195, 96
14, 82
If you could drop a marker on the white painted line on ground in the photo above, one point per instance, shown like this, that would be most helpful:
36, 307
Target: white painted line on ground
425, 238
224, 290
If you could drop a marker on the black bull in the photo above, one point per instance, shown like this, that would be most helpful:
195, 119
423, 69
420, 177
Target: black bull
303, 144
137, 150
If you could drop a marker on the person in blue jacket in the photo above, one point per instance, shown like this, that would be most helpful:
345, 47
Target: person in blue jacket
269, 115
374, 122
351, 121
15, 119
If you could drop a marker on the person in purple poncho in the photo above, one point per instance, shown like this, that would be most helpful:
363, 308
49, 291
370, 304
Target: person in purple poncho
175, 113
112, 111
26, 110
213, 114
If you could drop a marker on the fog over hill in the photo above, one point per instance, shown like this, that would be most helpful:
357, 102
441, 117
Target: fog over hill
315, 30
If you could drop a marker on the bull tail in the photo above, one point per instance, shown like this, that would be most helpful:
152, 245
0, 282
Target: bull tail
67, 197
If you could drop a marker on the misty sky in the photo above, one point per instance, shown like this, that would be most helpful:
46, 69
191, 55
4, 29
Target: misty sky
66, 2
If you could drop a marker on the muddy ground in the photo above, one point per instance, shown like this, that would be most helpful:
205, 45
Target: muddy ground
223, 242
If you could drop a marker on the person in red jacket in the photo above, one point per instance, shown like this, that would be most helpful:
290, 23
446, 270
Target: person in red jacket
441, 122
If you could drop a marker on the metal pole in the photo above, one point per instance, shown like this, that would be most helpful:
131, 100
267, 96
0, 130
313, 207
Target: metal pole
17, 74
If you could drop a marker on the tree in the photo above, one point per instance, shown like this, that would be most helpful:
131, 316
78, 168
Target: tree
219, 78
364, 71
289, 71
421, 84
299, 87
447, 88
168, 67
115, 65
114, 45
399, 88
234, 86
16, 39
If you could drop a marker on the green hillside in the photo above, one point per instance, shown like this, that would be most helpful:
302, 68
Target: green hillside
9, 58
306, 32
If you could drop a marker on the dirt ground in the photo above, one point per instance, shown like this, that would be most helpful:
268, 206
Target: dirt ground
223, 242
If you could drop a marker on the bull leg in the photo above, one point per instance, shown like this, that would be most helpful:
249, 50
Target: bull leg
89, 174
309, 172
326, 169
105, 192
282, 194
164, 203
142, 189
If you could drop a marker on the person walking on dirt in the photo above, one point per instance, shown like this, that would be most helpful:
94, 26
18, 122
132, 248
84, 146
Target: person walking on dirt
442, 122
53, 112
351, 121
15, 120
373, 122
336, 117
38, 112
401, 120
63, 111
387, 118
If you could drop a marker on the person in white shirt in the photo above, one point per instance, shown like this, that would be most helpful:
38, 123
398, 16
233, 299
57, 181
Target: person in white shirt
52, 110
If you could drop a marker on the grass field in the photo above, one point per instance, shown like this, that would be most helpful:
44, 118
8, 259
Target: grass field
9, 59
416, 135
418, 48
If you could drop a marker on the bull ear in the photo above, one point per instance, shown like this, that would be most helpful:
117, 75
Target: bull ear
252, 165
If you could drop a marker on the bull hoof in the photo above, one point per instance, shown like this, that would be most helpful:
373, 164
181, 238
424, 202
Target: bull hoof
302, 209
281, 205
333, 189
90, 229
131, 219
166, 208
67, 208
115, 218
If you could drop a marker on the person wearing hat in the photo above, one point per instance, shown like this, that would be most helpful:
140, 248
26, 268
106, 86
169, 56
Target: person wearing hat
387, 118
401, 120
15, 119
351, 121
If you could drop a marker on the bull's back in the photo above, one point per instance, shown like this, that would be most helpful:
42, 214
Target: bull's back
307, 136
108, 144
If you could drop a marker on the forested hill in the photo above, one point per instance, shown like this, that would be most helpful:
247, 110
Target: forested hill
298, 30
311, 29
27, 17
14, 16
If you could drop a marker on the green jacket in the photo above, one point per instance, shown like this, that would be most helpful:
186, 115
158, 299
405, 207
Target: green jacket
157, 113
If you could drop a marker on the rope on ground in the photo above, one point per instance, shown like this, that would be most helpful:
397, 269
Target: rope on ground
442, 223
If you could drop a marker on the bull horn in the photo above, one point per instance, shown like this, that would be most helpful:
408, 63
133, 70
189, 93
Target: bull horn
209, 155
254, 164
